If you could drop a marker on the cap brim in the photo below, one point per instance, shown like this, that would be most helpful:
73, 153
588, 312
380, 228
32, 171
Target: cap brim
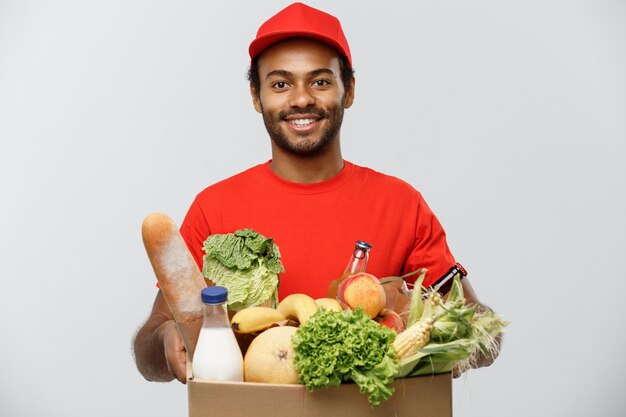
261, 44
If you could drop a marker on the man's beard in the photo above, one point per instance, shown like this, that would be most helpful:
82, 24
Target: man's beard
305, 146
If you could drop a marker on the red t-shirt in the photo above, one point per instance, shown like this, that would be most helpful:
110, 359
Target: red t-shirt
316, 225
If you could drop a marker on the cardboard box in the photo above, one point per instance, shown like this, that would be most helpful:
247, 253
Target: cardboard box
425, 396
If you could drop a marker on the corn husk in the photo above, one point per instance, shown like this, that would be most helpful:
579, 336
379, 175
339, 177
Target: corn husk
459, 334
453, 324
417, 304
439, 357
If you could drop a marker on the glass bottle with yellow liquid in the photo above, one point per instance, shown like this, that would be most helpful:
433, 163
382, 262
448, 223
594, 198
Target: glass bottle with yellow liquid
357, 263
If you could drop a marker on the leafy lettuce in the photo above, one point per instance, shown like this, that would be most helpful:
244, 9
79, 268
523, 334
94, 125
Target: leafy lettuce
246, 263
335, 347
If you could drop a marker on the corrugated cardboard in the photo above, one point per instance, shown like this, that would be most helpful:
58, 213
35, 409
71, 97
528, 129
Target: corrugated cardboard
424, 396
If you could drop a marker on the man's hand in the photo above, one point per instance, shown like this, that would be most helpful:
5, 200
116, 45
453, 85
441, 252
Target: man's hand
482, 359
159, 350
174, 351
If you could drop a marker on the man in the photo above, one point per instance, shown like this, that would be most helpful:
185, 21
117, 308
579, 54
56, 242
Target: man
307, 197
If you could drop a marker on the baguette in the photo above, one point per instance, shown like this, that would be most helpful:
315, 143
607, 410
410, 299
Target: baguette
179, 278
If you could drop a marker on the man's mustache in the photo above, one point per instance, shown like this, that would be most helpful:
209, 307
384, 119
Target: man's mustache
321, 113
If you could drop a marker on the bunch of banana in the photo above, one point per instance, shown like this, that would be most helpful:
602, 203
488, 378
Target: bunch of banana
298, 307
329, 304
255, 319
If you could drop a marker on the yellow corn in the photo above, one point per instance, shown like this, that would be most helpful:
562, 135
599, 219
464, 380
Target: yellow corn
413, 339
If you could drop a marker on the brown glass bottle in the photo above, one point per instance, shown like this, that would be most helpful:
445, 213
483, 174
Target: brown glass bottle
357, 263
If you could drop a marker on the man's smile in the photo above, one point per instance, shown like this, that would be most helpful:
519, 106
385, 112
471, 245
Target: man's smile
303, 122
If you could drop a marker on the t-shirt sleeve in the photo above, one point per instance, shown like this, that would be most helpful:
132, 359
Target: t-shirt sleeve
195, 230
430, 247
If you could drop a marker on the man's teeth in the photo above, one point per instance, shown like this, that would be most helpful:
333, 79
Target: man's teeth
301, 122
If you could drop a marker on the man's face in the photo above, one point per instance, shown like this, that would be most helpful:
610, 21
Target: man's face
301, 96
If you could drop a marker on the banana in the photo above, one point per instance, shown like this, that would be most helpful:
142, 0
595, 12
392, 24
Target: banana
298, 307
255, 319
329, 304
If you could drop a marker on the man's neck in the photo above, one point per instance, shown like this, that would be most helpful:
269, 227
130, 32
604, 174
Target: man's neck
306, 170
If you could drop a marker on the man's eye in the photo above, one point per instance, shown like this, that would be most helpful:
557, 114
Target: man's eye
321, 83
280, 84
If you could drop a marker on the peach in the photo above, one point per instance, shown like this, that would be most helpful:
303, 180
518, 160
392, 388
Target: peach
362, 290
391, 319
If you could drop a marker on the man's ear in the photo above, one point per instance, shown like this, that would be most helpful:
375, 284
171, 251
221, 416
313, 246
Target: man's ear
256, 100
349, 94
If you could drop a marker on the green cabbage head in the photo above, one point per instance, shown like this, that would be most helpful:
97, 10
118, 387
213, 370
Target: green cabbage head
247, 264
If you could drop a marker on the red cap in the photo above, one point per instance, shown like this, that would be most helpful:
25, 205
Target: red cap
300, 20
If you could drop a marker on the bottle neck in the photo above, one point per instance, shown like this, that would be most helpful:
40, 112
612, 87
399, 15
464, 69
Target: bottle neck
358, 261
215, 315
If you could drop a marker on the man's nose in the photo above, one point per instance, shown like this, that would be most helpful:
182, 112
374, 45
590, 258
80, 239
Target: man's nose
301, 96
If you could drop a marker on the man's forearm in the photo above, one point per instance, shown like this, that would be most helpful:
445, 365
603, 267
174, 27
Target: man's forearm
149, 351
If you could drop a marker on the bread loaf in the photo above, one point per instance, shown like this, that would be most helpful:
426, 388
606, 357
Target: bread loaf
178, 275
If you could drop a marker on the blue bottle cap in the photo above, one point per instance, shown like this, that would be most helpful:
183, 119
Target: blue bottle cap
214, 295
363, 245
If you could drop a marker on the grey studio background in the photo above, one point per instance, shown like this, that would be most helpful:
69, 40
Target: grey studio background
509, 116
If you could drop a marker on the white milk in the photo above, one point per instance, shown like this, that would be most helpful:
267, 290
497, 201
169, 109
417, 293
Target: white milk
217, 356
